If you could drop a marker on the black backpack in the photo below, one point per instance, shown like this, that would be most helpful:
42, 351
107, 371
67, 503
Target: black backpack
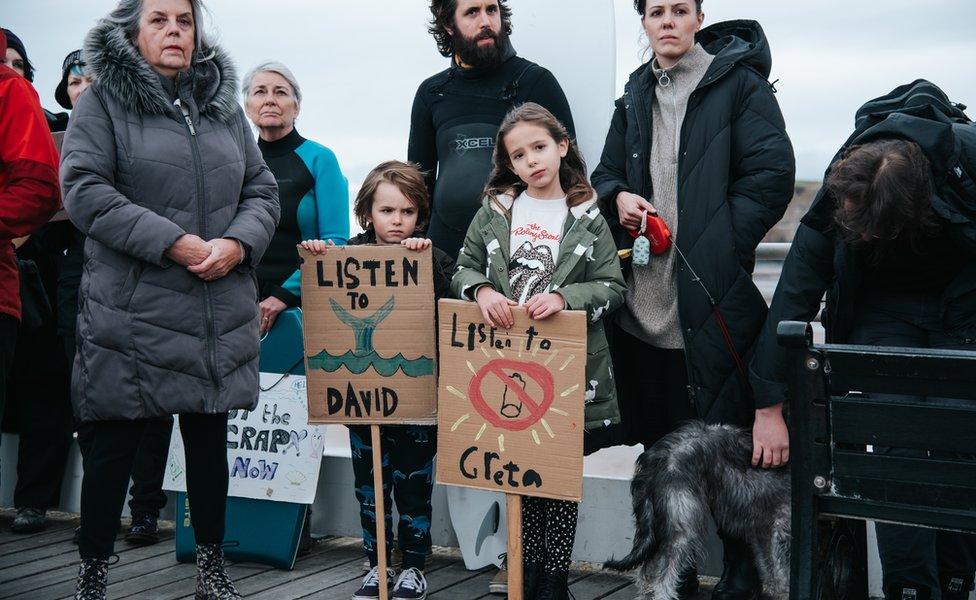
921, 112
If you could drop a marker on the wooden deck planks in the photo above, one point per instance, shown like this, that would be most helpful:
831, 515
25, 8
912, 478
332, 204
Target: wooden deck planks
43, 566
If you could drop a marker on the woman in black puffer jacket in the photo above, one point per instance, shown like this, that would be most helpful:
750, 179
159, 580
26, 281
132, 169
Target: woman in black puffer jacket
697, 138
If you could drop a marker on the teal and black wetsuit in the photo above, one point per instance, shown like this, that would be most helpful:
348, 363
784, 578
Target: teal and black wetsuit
314, 198
456, 115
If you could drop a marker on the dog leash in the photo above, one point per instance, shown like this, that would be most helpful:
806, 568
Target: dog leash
740, 364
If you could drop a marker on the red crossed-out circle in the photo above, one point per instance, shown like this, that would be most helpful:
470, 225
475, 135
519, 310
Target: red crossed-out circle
537, 409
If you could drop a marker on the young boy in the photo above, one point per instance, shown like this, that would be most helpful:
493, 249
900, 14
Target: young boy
390, 206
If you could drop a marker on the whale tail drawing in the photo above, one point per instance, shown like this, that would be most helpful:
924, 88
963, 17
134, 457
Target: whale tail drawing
363, 327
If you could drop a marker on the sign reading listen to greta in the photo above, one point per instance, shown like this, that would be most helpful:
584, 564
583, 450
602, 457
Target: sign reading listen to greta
510, 403
368, 315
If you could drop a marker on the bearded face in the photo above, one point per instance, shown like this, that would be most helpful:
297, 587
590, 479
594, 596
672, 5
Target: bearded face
478, 32
480, 49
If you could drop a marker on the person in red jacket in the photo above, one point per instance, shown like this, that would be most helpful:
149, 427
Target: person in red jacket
29, 192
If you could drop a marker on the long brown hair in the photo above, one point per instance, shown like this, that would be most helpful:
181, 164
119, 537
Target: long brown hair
883, 189
407, 177
572, 168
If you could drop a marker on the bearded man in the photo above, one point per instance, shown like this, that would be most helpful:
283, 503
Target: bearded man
456, 113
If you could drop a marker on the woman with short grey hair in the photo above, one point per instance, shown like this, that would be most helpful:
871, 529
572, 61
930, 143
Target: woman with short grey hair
314, 194
160, 170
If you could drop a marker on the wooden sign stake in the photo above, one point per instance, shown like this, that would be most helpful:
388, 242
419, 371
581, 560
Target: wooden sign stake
380, 505
514, 504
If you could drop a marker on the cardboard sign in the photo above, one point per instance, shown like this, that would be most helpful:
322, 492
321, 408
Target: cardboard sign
510, 403
272, 451
369, 335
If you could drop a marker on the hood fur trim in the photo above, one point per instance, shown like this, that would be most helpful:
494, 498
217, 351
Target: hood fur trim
116, 65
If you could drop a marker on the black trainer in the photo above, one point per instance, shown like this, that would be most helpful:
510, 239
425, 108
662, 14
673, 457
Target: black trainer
144, 530
411, 585
370, 589
29, 520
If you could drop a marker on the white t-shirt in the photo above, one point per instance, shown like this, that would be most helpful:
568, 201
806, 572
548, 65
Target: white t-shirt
537, 230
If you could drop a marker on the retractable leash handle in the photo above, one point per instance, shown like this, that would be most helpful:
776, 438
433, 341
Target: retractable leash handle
656, 231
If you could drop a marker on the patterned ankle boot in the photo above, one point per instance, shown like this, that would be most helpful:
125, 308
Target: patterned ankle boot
92, 579
212, 580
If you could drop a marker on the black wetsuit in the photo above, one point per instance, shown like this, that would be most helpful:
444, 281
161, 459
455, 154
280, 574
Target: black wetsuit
456, 115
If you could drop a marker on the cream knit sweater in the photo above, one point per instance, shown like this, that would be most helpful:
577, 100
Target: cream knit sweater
652, 297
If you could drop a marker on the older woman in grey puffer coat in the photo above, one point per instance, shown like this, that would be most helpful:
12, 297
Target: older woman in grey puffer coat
161, 171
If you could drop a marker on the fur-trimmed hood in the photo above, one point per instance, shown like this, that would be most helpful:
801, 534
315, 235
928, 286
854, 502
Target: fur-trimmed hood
116, 65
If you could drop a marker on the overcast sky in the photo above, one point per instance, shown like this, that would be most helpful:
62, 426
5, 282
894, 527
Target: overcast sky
360, 61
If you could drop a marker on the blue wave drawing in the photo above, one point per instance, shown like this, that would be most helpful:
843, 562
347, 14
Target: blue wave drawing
356, 363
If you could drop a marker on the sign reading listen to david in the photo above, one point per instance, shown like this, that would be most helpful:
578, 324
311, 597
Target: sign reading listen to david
510, 402
368, 316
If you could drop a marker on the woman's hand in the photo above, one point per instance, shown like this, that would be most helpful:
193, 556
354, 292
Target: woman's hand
316, 246
416, 244
188, 250
270, 308
770, 438
631, 209
495, 307
541, 306
224, 256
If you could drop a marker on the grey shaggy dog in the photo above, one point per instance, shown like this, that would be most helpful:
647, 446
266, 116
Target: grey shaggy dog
691, 473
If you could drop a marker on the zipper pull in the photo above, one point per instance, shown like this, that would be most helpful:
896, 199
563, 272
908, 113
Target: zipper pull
186, 117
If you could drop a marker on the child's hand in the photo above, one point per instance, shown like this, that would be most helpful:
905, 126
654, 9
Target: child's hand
541, 306
495, 307
317, 246
416, 244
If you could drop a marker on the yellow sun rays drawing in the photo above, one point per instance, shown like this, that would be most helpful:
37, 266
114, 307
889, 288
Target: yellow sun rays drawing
556, 360
460, 420
551, 356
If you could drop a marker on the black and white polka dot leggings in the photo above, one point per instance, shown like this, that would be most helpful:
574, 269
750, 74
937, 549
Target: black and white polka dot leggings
548, 532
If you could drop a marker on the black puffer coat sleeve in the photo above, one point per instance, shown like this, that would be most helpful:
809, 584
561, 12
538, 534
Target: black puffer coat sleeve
761, 181
443, 272
610, 176
808, 272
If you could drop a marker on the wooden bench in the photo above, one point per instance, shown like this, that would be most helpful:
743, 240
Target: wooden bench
837, 418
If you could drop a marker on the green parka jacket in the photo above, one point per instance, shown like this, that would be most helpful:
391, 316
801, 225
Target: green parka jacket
587, 276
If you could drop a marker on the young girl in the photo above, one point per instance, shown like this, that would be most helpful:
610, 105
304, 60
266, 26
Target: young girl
540, 242
390, 206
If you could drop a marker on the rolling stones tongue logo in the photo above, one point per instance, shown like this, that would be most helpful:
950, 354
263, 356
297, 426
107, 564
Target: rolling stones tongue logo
530, 270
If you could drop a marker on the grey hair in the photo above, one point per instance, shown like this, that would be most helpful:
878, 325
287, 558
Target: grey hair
127, 13
272, 66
